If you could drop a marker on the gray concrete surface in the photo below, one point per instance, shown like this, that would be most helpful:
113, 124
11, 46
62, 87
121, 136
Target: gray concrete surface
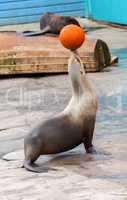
26, 101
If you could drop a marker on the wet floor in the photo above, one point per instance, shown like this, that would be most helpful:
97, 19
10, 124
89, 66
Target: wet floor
78, 176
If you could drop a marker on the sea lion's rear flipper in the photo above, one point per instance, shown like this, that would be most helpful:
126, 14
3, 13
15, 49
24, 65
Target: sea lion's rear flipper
35, 168
34, 33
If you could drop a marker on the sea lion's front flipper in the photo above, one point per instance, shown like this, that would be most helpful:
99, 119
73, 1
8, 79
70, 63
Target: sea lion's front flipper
35, 168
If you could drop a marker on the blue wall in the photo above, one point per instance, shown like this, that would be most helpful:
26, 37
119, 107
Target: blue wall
25, 11
109, 10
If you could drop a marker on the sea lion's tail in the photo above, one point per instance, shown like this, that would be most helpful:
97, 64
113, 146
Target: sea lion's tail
34, 168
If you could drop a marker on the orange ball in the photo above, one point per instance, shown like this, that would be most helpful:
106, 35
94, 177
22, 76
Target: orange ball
72, 36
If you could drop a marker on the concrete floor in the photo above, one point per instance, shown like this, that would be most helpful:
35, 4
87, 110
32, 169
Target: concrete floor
25, 101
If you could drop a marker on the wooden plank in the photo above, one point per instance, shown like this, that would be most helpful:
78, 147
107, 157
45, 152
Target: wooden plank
39, 11
35, 18
38, 60
36, 4
6, 1
34, 1
39, 68
46, 54
26, 11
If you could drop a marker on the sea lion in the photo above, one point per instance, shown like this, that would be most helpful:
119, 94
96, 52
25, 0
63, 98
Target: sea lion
73, 126
52, 23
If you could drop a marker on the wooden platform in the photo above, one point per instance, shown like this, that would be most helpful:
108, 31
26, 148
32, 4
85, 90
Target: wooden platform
45, 54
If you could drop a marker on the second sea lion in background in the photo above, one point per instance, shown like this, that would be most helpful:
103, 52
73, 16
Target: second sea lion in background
52, 23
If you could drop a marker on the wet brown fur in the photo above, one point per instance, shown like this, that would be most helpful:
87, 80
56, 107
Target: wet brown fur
73, 126
52, 23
